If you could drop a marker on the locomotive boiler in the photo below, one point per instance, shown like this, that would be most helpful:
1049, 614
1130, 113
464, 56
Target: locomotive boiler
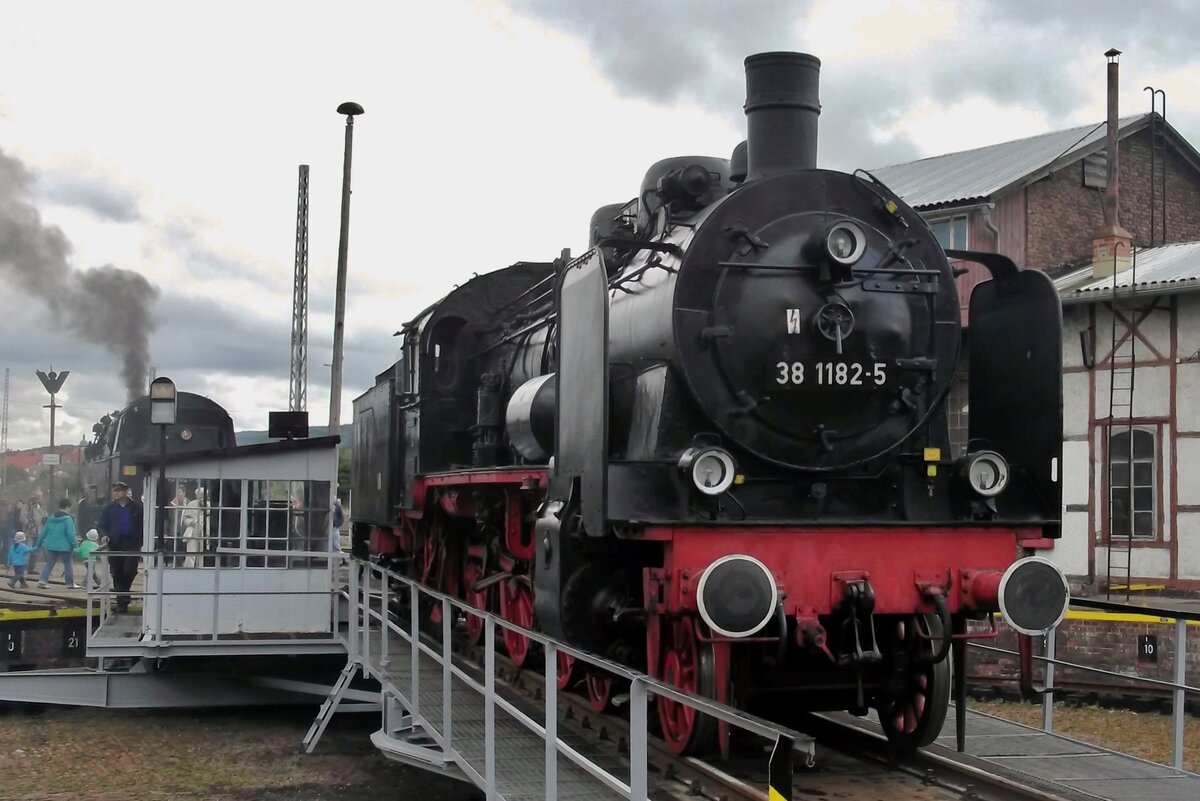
715, 446
126, 438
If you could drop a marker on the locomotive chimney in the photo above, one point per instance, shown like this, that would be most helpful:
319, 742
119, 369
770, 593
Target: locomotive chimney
1111, 245
782, 107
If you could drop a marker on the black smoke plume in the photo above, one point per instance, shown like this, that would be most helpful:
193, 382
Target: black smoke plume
106, 305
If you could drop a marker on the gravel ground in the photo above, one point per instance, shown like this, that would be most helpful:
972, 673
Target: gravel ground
217, 755
1143, 734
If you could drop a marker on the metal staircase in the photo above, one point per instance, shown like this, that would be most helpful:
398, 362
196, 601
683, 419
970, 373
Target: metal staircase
1122, 371
330, 706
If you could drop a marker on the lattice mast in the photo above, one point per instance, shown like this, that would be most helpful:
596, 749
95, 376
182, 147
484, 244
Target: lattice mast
298, 387
4, 419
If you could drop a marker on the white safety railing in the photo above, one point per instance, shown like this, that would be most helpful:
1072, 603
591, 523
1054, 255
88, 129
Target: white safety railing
152, 633
1179, 688
367, 643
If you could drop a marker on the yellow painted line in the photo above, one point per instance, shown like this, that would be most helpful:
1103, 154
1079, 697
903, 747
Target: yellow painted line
40, 614
1140, 587
1120, 617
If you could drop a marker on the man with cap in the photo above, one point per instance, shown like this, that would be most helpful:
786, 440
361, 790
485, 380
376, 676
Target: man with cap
120, 526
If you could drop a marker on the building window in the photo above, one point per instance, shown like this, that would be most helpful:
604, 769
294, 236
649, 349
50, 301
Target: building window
1095, 170
1131, 491
957, 413
951, 232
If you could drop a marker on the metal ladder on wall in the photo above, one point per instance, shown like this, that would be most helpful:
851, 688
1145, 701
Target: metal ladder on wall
1122, 372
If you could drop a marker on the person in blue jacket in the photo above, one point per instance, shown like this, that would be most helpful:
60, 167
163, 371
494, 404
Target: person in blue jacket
120, 525
18, 557
58, 538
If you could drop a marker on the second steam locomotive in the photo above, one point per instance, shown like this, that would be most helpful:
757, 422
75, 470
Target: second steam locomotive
715, 446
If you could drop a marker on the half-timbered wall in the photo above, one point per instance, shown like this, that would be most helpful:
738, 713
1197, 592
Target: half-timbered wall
1164, 334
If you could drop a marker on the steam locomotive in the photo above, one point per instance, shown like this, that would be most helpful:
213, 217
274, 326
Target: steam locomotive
715, 446
125, 439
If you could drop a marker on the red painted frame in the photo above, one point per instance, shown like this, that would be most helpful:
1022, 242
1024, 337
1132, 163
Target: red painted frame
809, 563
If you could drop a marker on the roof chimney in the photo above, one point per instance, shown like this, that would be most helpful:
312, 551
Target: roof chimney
1112, 243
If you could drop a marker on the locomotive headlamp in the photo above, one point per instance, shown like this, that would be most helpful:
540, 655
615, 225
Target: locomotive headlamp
986, 472
712, 470
845, 243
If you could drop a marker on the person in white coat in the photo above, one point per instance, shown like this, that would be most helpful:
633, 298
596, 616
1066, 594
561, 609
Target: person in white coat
196, 522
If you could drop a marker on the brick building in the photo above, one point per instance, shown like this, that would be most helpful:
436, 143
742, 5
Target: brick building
1039, 201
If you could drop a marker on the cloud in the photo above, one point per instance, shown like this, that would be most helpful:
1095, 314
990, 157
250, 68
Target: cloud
99, 196
188, 238
700, 62
881, 60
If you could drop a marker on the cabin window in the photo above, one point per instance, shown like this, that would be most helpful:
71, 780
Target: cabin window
446, 353
951, 232
1132, 488
280, 518
287, 517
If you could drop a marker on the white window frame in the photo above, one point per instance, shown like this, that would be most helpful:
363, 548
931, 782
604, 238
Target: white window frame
949, 220
1131, 487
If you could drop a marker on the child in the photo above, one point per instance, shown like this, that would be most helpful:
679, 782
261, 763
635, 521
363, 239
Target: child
18, 557
90, 543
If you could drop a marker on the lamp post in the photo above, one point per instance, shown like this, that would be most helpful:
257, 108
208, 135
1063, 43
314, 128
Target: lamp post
162, 414
351, 110
52, 382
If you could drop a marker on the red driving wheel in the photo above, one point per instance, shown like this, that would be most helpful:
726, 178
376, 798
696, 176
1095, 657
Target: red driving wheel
913, 715
688, 665
516, 605
599, 690
566, 666
472, 573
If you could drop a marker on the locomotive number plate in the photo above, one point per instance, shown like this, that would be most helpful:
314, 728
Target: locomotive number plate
829, 375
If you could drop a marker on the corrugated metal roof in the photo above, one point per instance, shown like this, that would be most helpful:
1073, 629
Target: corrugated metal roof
980, 173
1169, 268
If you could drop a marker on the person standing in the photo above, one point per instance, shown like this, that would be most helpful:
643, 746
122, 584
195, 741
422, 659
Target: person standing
18, 553
173, 542
57, 537
86, 512
196, 529
5, 534
120, 526
13, 522
339, 520
35, 518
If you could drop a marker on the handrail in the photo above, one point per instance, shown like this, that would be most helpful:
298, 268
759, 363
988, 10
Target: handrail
362, 576
1076, 666
1179, 688
753, 723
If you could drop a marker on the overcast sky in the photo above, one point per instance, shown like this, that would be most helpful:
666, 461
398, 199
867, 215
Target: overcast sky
160, 142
